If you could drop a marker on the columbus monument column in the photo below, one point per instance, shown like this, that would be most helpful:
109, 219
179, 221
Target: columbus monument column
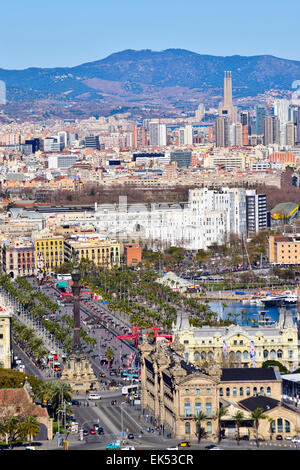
77, 371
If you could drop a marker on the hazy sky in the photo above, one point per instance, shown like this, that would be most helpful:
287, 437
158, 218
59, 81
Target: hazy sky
49, 33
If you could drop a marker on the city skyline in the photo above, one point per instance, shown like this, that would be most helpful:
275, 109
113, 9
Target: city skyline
69, 34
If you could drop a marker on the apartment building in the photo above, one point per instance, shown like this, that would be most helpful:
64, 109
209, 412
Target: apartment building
284, 249
49, 250
229, 162
18, 257
132, 254
256, 212
103, 253
230, 201
62, 160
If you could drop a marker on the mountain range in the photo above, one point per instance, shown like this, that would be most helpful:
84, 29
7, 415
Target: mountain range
169, 81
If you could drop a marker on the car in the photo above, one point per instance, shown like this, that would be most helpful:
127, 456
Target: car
172, 448
36, 444
184, 444
92, 431
279, 437
296, 440
100, 430
94, 396
245, 437
288, 438
72, 419
96, 427
114, 445
75, 402
85, 432
130, 436
128, 448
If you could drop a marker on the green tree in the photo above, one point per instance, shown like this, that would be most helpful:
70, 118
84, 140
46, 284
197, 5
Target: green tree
55, 393
271, 363
199, 419
201, 256
238, 418
18, 428
109, 355
271, 421
60, 392
222, 411
30, 427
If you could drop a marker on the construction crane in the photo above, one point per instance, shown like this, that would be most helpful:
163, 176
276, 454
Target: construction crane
135, 335
155, 329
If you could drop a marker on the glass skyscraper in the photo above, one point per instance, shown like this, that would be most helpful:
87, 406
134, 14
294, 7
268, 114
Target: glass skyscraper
261, 112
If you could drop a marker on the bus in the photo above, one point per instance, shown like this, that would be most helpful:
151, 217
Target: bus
130, 375
130, 389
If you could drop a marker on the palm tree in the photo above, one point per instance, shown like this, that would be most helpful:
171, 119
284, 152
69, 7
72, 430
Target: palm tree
199, 418
238, 418
56, 392
271, 421
9, 427
109, 355
30, 427
222, 411
44, 391
60, 392
257, 415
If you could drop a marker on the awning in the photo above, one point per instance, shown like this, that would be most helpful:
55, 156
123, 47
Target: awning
62, 284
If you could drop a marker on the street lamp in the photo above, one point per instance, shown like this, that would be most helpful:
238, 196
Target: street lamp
122, 432
58, 432
76, 287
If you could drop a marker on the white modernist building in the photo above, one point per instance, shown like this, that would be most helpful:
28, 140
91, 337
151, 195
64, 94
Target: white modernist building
208, 217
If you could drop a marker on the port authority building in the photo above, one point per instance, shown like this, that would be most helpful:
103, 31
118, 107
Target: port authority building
240, 346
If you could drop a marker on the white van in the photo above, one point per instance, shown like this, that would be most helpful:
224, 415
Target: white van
94, 396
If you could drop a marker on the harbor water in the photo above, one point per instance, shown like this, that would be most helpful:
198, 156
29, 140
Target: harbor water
241, 312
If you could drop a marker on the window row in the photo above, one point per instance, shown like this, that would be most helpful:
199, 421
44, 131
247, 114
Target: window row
55, 242
277, 425
235, 391
245, 355
207, 425
197, 409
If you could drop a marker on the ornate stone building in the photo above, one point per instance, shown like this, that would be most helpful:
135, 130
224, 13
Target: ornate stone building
19, 402
5, 336
240, 346
175, 391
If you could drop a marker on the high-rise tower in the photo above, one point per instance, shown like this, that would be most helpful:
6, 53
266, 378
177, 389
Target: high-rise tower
226, 108
227, 89
222, 131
